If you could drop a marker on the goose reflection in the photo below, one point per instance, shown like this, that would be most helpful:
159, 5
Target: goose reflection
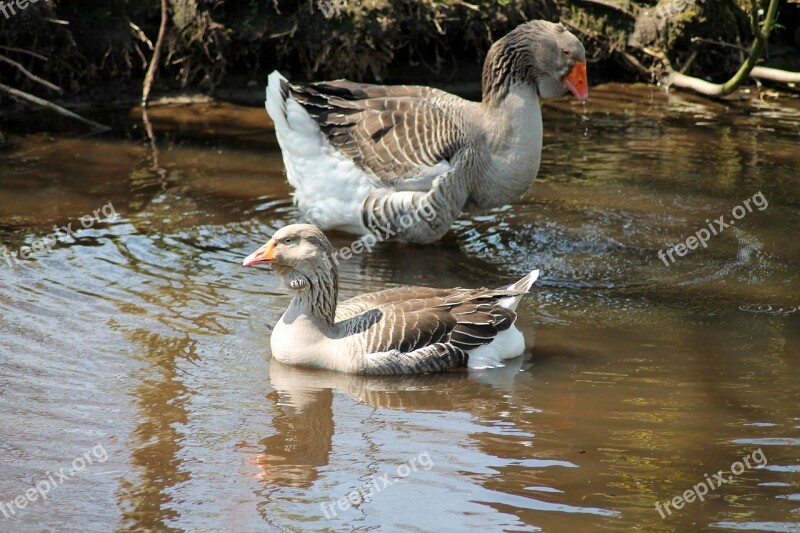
304, 417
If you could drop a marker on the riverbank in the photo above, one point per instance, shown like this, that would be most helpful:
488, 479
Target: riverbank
96, 56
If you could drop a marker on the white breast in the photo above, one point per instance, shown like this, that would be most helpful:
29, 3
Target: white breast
297, 340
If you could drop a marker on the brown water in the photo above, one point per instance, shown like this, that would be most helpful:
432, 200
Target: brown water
142, 337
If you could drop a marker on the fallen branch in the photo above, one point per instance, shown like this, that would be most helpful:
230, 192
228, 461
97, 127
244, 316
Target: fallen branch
151, 69
760, 39
31, 75
774, 74
636, 65
51, 106
23, 51
697, 85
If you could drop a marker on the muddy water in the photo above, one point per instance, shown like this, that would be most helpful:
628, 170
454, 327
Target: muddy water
135, 356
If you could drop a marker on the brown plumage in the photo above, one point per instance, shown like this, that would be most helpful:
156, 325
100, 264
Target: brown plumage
395, 331
364, 156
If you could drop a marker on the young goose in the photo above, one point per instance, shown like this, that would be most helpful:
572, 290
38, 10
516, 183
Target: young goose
360, 157
405, 330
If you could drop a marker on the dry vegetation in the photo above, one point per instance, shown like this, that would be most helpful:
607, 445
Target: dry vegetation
97, 50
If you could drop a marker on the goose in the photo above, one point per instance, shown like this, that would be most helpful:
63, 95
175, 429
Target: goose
365, 157
405, 330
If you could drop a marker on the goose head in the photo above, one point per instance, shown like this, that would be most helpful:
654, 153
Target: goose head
538, 53
300, 253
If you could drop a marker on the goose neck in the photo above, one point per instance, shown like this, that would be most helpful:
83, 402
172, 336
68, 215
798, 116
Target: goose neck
510, 61
318, 295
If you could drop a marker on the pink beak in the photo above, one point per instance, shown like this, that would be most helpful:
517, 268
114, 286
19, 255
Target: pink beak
265, 254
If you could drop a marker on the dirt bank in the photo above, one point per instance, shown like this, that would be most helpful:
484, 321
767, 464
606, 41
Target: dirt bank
98, 50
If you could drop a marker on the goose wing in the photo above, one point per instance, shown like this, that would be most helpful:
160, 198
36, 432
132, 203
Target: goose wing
406, 320
403, 136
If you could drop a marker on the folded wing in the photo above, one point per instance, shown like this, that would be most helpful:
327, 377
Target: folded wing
411, 318
404, 136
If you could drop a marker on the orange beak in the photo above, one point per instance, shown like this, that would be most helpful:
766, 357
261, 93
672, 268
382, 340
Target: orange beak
576, 81
265, 254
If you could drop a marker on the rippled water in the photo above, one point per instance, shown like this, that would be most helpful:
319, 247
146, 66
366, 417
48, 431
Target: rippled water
142, 343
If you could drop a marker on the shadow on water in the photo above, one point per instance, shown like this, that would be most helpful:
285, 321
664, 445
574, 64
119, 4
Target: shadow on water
143, 333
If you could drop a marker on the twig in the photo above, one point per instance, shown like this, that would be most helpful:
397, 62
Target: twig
151, 70
31, 75
689, 61
695, 84
139, 32
51, 106
289, 32
637, 66
23, 51
718, 43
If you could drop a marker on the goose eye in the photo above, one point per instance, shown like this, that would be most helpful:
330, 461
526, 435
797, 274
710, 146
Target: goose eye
288, 240
567, 53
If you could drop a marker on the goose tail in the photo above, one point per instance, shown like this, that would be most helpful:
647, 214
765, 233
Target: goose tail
509, 343
525, 283
276, 93
328, 187
523, 286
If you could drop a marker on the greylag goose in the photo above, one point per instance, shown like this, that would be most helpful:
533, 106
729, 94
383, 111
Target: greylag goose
405, 330
362, 157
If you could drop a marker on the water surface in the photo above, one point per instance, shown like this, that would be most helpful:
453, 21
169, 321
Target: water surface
143, 335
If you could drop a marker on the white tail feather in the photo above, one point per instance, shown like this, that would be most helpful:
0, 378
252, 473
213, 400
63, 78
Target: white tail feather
328, 187
509, 343
524, 284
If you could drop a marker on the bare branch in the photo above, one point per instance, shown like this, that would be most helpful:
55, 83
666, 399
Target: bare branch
23, 51
51, 106
151, 70
774, 74
31, 75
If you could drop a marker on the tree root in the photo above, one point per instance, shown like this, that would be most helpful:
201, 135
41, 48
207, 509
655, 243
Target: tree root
30, 74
